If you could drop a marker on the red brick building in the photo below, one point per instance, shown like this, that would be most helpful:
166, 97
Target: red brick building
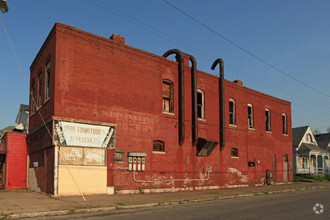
13, 160
127, 121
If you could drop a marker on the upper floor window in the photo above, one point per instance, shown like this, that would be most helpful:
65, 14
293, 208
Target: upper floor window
284, 124
47, 80
250, 116
234, 152
309, 138
168, 96
39, 89
33, 93
200, 104
232, 112
158, 146
267, 115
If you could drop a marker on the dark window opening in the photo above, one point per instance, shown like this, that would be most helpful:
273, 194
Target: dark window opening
205, 146
39, 89
232, 113
267, 114
159, 146
250, 117
33, 98
47, 80
200, 104
167, 97
234, 152
284, 124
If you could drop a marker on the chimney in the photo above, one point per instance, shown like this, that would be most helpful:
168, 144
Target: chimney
117, 39
238, 82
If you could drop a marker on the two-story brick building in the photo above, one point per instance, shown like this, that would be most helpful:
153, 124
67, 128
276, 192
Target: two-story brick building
128, 121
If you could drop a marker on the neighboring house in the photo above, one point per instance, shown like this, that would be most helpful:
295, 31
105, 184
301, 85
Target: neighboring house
13, 152
323, 140
308, 157
22, 119
128, 121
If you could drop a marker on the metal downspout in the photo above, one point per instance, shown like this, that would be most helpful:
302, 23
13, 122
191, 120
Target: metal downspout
221, 101
179, 58
194, 100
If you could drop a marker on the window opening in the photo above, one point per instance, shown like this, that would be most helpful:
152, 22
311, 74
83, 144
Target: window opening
47, 80
250, 117
267, 114
168, 97
232, 113
39, 89
234, 152
159, 146
284, 124
200, 104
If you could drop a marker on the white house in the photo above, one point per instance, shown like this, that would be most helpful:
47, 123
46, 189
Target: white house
308, 157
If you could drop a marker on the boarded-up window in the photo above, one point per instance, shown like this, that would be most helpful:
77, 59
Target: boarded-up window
167, 96
200, 104
159, 146
232, 112
267, 115
250, 116
284, 124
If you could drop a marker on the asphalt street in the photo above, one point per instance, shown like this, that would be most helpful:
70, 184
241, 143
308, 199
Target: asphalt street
291, 205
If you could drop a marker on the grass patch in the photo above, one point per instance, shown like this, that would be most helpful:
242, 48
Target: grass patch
310, 178
121, 204
266, 193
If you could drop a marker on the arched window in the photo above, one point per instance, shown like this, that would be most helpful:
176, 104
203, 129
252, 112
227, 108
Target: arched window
200, 104
232, 112
158, 146
234, 152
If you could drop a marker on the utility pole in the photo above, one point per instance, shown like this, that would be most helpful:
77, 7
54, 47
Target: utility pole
3, 6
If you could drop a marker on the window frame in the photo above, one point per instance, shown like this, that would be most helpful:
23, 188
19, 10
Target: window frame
39, 101
161, 144
234, 152
284, 124
268, 125
33, 106
232, 115
47, 82
250, 117
201, 106
170, 99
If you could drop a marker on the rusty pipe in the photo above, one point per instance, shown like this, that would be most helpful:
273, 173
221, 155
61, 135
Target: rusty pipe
221, 101
194, 99
179, 59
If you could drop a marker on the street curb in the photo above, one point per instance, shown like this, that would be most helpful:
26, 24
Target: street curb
148, 205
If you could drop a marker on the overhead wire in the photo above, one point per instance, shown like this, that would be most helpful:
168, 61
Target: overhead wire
190, 48
245, 50
35, 104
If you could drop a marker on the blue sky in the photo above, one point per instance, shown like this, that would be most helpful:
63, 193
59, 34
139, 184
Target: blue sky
293, 36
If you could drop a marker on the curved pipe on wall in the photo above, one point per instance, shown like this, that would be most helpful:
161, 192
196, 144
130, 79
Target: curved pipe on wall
179, 59
221, 101
194, 100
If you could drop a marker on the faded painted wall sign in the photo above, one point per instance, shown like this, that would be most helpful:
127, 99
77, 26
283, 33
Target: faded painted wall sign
85, 135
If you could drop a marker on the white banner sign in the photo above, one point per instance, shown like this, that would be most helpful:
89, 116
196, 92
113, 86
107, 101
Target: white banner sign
85, 135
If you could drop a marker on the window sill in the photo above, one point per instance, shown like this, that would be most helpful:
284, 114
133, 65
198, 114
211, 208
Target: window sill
232, 125
268, 132
159, 152
168, 113
201, 119
251, 129
232, 157
285, 135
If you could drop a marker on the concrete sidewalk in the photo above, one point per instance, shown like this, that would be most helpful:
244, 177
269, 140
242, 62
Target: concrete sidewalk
24, 204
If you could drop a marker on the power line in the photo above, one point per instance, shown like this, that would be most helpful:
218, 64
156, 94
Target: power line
245, 50
167, 37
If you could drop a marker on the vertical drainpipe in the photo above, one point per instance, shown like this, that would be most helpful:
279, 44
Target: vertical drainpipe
194, 100
179, 58
221, 101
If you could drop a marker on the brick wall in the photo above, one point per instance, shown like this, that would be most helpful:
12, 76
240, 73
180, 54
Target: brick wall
104, 80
